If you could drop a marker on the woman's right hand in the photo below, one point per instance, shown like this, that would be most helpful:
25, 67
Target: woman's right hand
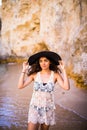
25, 66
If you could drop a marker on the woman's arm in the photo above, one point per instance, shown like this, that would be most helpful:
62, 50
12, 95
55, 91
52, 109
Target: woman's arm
22, 82
63, 80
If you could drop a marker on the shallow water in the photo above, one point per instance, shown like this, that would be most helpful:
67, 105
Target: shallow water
14, 102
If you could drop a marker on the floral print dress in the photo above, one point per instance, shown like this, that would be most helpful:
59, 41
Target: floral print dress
42, 105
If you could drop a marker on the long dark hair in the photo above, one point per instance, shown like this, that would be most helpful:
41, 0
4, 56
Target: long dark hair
36, 67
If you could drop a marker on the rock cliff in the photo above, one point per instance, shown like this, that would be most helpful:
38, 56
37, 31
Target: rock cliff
61, 26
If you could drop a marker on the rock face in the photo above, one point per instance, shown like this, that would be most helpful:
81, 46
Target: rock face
60, 25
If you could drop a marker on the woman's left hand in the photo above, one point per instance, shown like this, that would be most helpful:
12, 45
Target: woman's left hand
61, 64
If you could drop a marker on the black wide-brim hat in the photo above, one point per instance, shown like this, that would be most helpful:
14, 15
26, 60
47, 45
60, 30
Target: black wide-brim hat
52, 56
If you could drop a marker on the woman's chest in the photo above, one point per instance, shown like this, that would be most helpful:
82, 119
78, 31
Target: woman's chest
44, 87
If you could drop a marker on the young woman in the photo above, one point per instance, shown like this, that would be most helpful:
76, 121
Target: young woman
45, 72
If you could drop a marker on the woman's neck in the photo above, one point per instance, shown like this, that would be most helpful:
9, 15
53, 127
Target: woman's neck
45, 71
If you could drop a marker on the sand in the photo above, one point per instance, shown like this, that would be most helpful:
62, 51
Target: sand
71, 106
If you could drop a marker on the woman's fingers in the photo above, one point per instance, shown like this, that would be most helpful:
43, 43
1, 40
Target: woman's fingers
62, 64
25, 65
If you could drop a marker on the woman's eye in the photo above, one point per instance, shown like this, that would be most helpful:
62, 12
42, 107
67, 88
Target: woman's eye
46, 60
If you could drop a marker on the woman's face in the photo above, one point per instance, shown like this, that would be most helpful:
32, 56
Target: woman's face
44, 63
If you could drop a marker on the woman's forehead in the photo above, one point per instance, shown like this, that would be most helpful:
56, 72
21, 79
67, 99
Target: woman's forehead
43, 58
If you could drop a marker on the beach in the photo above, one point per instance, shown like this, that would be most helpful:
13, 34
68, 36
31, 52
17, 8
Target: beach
71, 106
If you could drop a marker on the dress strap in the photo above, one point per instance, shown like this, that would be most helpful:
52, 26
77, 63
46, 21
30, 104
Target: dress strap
37, 79
52, 76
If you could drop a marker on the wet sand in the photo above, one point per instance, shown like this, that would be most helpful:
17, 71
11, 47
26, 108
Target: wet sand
71, 106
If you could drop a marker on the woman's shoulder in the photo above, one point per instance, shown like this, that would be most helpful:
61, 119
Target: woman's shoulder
56, 74
34, 75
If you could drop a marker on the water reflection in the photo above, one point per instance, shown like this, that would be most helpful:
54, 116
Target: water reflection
13, 102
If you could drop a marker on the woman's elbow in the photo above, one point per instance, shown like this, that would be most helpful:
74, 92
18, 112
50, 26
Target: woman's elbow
67, 87
20, 86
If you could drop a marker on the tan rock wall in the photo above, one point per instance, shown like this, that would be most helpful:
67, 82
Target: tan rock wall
61, 24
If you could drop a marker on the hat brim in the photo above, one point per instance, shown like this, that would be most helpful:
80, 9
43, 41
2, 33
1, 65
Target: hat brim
48, 54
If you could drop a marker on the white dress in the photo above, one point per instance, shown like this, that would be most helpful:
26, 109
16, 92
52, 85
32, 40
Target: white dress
42, 105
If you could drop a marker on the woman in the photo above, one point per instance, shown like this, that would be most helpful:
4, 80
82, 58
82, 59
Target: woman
45, 72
